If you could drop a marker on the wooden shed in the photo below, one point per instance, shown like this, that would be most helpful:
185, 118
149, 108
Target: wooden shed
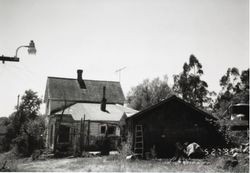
172, 120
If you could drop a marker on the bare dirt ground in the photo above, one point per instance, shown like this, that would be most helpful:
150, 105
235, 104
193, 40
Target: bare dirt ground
111, 164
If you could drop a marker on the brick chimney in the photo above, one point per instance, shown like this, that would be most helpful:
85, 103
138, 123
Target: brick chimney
80, 80
104, 100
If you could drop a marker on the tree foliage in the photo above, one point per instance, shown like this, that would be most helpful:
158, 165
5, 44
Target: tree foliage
27, 126
234, 89
148, 93
30, 104
27, 111
4, 143
190, 87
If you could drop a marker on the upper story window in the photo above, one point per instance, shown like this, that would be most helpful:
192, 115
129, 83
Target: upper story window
103, 129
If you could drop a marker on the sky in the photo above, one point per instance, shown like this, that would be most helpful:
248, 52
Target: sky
151, 38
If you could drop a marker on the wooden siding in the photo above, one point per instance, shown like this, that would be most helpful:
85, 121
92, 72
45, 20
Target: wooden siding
170, 123
91, 132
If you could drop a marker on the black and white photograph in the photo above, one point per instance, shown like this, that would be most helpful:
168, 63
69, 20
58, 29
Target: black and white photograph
124, 86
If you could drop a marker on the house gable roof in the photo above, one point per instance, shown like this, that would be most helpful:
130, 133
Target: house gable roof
166, 101
67, 89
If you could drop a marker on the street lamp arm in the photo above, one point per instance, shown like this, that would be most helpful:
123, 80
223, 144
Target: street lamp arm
31, 50
18, 49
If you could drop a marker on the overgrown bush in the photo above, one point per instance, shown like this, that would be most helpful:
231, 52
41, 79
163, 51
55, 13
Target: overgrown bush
4, 140
238, 137
30, 137
232, 138
26, 126
21, 143
125, 150
224, 131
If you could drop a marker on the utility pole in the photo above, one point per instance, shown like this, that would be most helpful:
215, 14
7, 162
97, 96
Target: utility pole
119, 71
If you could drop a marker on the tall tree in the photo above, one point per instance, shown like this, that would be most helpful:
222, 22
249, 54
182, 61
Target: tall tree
27, 111
148, 93
30, 104
26, 124
234, 89
245, 80
190, 87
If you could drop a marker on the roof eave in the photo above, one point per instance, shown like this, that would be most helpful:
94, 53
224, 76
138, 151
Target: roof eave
167, 100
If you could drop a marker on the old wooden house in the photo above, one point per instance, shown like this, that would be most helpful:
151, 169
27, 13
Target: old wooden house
80, 113
173, 120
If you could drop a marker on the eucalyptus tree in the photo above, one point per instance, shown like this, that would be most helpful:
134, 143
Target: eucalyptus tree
189, 85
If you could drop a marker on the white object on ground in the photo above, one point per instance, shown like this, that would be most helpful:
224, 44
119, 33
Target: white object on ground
192, 148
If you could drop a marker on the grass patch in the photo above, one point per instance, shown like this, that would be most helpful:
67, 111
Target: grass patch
12, 160
110, 164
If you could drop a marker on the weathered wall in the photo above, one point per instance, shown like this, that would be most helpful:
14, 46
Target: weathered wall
91, 133
171, 123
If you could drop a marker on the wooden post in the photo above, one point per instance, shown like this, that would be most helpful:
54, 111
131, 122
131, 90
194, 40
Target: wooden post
83, 132
80, 137
88, 131
55, 136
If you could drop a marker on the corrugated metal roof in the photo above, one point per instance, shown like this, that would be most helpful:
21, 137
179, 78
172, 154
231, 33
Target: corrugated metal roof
93, 112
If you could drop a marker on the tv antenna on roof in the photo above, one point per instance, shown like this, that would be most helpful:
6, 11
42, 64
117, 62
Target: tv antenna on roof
119, 71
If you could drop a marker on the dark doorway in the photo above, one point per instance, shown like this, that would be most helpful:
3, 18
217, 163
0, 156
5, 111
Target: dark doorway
63, 134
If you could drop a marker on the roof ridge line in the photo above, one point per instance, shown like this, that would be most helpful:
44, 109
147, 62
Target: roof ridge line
83, 79
167, 100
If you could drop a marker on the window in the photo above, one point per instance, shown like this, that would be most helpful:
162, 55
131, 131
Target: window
63, 133
103, 129
111, 130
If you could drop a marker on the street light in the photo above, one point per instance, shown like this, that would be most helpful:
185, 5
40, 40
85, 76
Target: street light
31, 50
